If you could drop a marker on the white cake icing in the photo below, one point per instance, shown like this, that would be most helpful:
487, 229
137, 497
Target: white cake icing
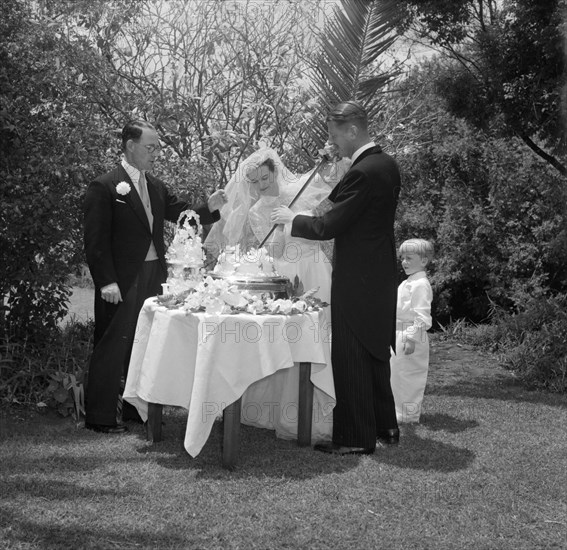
186, 249
185, 256
254, 263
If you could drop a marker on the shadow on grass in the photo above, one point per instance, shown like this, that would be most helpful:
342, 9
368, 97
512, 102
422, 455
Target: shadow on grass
18, 531
446, 423
421, 453
48, 490
59, 462
261, 454
504, 388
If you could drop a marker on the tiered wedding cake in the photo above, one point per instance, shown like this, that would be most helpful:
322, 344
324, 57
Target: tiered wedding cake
253, 263
252, 271
185, 256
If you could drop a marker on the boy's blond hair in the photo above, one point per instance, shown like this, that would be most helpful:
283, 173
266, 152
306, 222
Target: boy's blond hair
422, 247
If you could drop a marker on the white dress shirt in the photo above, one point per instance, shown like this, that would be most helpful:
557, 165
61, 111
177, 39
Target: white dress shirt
134, 174
361, 150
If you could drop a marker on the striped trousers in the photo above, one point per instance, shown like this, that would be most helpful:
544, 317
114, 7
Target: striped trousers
365, 403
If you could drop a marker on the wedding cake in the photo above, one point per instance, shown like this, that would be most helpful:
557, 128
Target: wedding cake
253, 263
185, 256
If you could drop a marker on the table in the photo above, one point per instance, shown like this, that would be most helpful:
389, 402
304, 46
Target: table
221, 364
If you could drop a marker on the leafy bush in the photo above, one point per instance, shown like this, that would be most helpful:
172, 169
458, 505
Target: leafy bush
496, 214
532, 343
483, 335
49, 373
49, 141
67, 86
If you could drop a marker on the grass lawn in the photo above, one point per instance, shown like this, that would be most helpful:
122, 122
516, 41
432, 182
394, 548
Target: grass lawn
486, 468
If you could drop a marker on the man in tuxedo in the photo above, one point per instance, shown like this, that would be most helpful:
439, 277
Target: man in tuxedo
364, 283
124, 213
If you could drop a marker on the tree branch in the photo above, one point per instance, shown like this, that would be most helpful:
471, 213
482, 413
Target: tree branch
561, 168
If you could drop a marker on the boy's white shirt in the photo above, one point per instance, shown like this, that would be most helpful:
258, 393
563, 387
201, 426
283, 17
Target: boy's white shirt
413, 312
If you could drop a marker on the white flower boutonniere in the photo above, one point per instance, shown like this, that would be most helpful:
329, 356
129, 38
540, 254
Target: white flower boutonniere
330, 152
123, 188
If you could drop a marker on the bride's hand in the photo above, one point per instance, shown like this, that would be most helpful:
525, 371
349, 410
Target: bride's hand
281, 215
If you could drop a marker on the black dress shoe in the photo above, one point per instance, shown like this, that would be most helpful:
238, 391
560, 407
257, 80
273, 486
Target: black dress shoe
116, 429
390, 437
341, 450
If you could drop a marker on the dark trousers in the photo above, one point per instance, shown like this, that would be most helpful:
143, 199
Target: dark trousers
365, 403
112, 350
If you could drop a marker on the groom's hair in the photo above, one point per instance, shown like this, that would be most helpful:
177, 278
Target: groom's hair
349, 111
133, 130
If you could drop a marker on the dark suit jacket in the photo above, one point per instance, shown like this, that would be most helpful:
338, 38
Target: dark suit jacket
364, 280
117, 233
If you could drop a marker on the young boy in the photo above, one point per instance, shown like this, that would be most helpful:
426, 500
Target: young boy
413, 318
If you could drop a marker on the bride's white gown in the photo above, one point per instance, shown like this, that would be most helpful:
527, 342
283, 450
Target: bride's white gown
306, 260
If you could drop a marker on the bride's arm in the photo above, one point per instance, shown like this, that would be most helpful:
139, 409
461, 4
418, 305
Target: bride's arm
276, 244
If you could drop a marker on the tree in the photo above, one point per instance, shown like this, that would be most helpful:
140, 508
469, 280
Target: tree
496, 215
215, 77
505, 70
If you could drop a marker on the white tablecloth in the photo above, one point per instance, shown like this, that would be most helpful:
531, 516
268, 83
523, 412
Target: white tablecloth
206, 362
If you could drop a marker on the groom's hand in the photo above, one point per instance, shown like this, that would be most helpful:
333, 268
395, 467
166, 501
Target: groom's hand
217, 200
282, 215
111, 293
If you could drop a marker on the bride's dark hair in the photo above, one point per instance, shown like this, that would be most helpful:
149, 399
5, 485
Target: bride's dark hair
269, 163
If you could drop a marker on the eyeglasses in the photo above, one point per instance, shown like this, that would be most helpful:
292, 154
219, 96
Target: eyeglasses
153, 148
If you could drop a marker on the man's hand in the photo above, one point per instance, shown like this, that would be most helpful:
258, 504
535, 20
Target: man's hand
409, 347
217, 200
282, 215
111, 293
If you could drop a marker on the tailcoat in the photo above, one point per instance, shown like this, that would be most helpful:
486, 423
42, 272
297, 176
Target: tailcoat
363, 293
117, 237
117, 233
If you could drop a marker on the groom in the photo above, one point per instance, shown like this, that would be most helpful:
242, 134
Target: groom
364, 283
124, 213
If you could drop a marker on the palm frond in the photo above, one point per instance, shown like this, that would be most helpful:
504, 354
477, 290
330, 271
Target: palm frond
348, 64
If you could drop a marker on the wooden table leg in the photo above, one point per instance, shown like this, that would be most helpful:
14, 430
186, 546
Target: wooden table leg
231, 434
305, 405
155, 411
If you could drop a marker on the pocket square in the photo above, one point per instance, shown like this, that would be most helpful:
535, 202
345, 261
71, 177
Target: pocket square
122, 202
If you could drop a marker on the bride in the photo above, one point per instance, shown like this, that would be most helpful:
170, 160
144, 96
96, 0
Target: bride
260, 184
